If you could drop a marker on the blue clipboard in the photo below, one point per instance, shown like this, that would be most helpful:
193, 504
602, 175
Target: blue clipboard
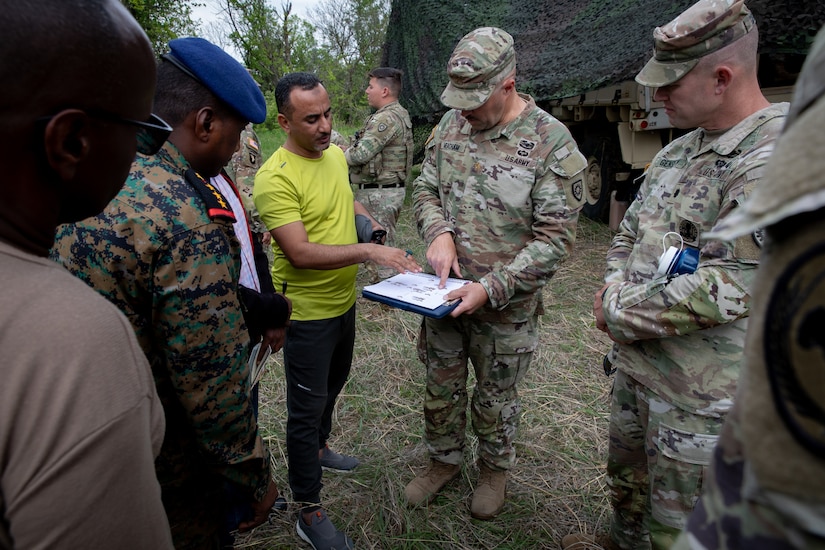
436, 313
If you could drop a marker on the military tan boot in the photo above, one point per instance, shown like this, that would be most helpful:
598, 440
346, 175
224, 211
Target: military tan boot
580, 541
488, 498
425, 486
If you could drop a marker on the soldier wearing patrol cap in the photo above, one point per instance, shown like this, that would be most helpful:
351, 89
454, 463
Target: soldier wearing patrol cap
676, 302
497, 202
164, 251
766, 486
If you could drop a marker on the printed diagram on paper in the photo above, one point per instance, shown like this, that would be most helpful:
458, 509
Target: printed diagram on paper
420, 289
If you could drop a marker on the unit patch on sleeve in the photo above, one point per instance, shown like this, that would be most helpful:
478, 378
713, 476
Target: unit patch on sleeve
794, 347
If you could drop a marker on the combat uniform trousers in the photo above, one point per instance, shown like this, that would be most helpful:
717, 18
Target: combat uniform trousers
385, 205
500, 354
657, 457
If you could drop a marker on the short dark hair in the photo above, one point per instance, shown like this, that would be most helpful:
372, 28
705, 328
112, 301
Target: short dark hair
389, 77
178, 94
290, 81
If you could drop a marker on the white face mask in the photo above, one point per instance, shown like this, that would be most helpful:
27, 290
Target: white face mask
677, 261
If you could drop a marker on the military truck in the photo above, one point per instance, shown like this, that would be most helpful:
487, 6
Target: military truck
619, 129
577, 58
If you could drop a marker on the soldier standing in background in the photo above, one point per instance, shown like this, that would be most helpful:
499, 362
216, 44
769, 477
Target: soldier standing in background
242, 169
339, 140
680, 322
498, 200
766, 486
380, 156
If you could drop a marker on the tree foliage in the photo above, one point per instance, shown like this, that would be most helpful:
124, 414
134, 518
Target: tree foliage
163, 20
353, 33
341, 43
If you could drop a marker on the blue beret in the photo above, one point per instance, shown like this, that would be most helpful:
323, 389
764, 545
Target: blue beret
221, 74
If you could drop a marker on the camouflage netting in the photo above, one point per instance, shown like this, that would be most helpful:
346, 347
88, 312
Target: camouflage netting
564, 47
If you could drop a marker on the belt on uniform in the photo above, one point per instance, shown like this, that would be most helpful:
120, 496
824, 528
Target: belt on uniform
379, 185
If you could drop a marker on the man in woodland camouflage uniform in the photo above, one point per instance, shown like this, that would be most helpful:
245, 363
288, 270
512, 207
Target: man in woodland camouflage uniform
681, 336
766, 486
380, 156
497, 201
165, 253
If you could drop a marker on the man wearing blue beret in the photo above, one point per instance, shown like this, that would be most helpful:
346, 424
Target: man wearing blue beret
164, 251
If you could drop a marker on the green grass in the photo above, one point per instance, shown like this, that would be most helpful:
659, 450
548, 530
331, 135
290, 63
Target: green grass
557, 485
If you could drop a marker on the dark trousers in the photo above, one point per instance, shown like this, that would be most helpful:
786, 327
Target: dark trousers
317, 359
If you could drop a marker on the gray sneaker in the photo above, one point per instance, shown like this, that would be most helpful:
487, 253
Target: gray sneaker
332, 461
322, 534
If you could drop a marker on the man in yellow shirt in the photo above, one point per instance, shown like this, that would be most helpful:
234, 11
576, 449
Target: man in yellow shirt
304, 198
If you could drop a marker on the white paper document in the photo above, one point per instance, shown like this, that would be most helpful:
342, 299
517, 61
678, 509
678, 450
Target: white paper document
420, 289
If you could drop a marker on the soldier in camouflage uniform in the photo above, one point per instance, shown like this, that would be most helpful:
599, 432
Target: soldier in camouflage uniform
380, 156
339, 140
497, 201
681, 333
242, 169
165, 253
766, 485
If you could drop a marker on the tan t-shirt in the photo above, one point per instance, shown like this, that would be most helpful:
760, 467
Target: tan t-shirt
80, 419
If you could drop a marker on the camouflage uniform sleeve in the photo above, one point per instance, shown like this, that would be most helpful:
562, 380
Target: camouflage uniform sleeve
556, 201
380, 129
207, 366
623, 241
717, 293
429, 212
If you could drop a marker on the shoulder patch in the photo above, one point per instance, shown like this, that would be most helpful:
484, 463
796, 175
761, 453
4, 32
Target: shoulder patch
216, 205
794, 348
382, 127
567, 161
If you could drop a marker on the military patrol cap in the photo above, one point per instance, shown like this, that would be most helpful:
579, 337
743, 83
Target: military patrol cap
705, 27
221, 74
480, 60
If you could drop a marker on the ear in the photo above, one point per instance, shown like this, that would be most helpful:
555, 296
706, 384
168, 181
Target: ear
205, 123
724, 77
67, 141
385, 91
283, 122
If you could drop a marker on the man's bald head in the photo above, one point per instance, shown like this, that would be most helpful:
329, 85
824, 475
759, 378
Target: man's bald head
73, 71
57, 52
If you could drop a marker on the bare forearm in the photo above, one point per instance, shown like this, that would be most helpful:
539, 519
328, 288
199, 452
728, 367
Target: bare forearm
309, 255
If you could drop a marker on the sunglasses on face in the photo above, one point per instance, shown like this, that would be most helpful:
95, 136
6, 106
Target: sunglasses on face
151, 135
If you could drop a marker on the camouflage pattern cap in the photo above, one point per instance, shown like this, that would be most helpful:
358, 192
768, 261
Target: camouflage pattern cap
706, 26
480, 60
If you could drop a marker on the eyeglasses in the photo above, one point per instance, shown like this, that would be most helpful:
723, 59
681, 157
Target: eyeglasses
151, 135
152, 132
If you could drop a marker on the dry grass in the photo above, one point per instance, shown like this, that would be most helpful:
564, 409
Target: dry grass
557, 485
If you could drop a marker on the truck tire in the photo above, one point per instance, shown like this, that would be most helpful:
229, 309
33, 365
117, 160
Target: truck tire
602, 162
